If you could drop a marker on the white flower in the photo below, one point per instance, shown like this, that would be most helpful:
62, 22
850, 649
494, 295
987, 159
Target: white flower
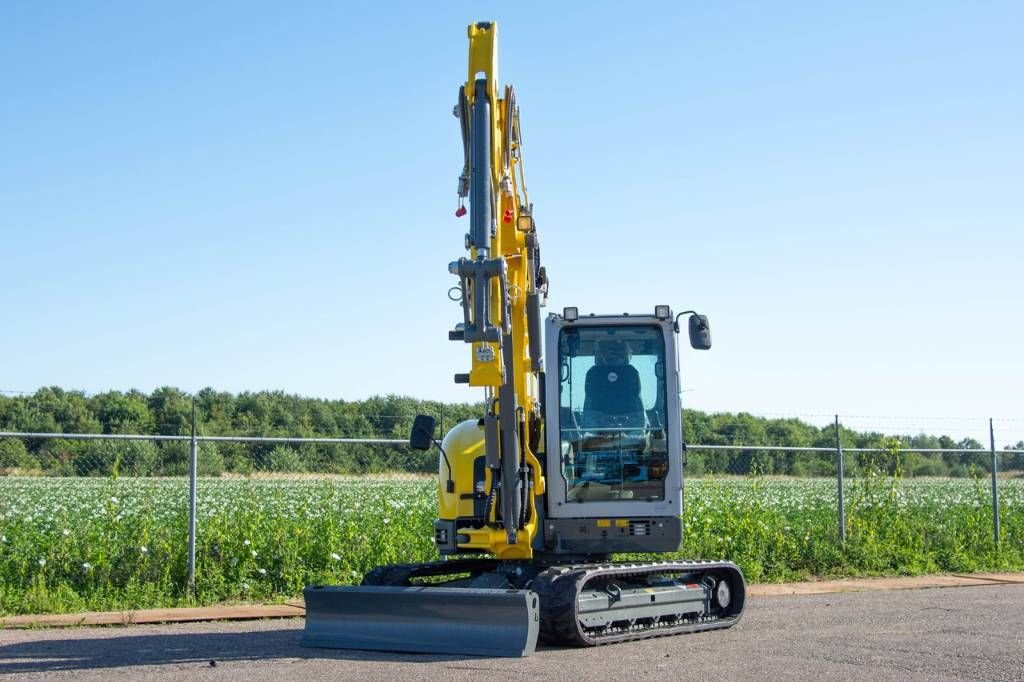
86, 566
3, 538
65, 532
261, 571
246, 543
245, 586
42, 562
254, 554
143, 549
113, 500
335, 556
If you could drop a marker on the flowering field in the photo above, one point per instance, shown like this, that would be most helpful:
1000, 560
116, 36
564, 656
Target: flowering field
73, 544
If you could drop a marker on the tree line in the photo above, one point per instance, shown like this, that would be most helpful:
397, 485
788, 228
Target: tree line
168, 411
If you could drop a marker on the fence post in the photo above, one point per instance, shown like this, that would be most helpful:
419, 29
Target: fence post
995, 488
192, 471
839, 483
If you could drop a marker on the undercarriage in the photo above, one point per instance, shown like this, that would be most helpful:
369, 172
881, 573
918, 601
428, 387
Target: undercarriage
492, 607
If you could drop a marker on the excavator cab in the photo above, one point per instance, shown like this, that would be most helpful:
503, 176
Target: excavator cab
614, 461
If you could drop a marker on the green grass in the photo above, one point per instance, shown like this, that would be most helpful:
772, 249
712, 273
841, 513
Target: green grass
779, 530
70, 544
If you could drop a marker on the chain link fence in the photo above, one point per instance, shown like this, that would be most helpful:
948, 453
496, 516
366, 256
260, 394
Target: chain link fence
90, 521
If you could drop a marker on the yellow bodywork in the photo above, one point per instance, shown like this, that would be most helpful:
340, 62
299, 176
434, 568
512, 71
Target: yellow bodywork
465, 442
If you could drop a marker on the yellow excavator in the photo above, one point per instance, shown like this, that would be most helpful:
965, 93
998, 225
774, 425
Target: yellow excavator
570, 463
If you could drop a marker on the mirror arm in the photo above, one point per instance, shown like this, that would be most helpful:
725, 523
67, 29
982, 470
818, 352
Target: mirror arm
675, 324
450, 486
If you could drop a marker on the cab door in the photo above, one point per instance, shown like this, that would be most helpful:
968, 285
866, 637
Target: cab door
613, 421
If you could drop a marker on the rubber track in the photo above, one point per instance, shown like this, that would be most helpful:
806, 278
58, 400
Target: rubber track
559, 588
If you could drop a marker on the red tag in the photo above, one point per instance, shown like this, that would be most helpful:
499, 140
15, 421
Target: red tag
460, 211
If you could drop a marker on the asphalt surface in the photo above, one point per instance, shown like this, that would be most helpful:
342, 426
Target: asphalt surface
965, 633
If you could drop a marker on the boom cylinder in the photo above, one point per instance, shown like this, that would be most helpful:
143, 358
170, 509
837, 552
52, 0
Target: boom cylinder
481, 198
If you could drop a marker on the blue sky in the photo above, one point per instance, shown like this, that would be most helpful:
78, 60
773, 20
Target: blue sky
252, 196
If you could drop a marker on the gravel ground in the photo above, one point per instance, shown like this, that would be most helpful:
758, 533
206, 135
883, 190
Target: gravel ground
974, 633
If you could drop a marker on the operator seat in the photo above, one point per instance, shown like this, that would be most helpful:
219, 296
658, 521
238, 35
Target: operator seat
613, 392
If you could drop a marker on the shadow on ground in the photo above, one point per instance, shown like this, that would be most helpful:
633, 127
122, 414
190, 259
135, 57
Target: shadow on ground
93, 653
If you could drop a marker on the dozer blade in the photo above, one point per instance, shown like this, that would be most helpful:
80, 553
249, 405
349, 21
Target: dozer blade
421, 619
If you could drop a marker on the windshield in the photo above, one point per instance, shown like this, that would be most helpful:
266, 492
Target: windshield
612, 412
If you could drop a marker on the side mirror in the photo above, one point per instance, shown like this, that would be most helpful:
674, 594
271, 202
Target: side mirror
700, 332
422, 436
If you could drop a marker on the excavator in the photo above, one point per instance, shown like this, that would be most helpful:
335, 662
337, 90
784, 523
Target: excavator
572, 462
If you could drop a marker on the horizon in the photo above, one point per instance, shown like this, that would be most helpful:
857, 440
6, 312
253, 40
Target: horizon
1006, 428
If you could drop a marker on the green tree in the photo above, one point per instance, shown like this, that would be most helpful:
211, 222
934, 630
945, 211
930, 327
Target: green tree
122, 412
54, 410
117, 458
171, 410
14, 455
283, 458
